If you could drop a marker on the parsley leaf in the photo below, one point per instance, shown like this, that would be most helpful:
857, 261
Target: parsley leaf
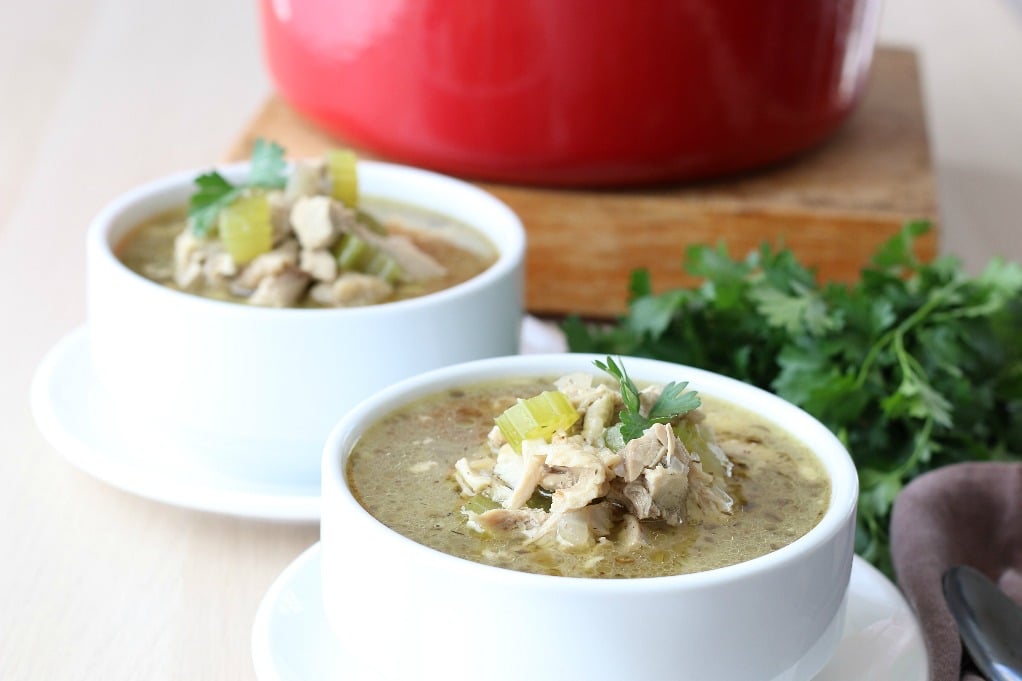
267, 170
793, 311
213, 193
914, 366
672, 403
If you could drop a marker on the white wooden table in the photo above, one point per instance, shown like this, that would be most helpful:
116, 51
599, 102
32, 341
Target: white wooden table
98, 95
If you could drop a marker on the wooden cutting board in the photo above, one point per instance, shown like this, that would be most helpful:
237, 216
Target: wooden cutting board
832, 206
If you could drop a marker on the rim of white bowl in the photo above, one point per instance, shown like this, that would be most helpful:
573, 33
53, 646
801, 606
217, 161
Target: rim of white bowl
805, 427
149, 197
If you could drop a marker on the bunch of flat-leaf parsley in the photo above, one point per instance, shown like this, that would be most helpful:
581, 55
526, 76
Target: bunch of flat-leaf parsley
914, 366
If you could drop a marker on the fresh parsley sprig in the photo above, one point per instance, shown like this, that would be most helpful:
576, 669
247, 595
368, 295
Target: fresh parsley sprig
267, 170
914, 365
212, 194
672, 403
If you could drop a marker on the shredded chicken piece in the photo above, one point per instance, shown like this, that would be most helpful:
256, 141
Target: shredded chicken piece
495, 439
473, 476
533, 458
320, 264
189, 256
668, 491
280, 215
708, 497
596, 493
636, 498
312, 223
307, 178
219, 268
586, 471
598, 415
352, 289
283, 289
581, 392
600, 517
278, 260
655, 445
572, 529
631, 534
523, 519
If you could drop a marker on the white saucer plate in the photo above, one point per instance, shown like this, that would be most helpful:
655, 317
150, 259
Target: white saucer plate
158, 462
291, 640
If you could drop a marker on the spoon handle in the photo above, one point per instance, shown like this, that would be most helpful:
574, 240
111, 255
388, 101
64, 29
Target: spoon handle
989, 623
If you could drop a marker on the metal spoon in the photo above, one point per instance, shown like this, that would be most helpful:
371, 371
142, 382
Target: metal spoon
989, 622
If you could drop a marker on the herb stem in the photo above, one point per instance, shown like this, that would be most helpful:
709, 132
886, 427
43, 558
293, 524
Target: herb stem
899, 331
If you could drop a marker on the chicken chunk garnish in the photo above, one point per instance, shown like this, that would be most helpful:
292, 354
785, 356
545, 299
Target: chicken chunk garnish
572, 487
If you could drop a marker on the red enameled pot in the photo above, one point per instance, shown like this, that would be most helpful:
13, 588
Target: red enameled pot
574, 92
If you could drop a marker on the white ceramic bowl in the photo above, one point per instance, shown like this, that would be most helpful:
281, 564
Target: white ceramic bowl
285, 376
401, 610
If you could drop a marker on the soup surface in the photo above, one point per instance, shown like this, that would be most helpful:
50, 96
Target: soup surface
461, 251
401, 472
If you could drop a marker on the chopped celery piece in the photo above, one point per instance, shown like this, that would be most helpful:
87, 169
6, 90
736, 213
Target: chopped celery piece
370, 221
245, 227
358, 255
697, 440
342, 166
537, 417
480, 503
540, 499
384, 267
353, 252
613, 438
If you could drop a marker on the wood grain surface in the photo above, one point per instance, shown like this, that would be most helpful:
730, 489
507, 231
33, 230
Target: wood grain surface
833, 205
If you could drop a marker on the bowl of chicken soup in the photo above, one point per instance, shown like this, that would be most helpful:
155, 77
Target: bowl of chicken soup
260, 301
579, 516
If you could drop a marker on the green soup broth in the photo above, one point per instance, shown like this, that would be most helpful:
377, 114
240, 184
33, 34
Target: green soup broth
400, 472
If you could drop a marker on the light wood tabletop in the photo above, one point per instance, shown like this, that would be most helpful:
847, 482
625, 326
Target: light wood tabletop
99, 95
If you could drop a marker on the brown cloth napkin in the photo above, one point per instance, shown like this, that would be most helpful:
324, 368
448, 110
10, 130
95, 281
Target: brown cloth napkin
962, 514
